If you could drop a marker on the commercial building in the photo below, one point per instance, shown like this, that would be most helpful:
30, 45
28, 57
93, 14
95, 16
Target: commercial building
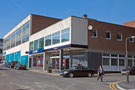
1, 49
63, 43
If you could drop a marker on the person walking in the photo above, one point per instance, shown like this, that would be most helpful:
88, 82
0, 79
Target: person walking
100, 73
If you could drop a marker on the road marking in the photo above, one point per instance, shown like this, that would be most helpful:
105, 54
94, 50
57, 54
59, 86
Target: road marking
112, 86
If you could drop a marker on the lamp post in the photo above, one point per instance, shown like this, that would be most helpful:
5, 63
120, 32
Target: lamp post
126, 42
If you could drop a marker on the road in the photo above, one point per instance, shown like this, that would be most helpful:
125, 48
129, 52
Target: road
11, 79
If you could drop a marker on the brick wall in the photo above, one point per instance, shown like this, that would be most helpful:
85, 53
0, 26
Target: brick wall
101, 43
41, 22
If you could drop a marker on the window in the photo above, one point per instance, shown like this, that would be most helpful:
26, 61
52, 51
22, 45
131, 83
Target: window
8, 42
131, 39
56, 37
105, 61
114, 61
107, 35
121, 55
0, 51
35, 44
18, 37
25, 32
65, 35
121, 62
114, 55
130, 62
12, 40
119, 36
41, 43
94, 33
48, 40
31, 46
105, 54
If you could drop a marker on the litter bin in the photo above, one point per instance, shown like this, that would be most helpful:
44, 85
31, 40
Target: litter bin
49, 69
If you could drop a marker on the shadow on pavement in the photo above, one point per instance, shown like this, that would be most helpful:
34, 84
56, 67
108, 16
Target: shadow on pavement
3, 69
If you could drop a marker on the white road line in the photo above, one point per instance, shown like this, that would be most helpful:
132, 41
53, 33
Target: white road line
122, 88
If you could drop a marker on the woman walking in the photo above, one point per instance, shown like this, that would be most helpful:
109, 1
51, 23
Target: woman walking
100, 73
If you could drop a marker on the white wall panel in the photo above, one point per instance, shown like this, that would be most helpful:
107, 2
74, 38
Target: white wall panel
79, 33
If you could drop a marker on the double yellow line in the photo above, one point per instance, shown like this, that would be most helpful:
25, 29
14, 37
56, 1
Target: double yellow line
112, 86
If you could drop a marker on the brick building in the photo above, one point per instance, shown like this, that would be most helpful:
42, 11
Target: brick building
62, 43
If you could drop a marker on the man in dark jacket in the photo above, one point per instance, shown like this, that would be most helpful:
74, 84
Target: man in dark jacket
100, 73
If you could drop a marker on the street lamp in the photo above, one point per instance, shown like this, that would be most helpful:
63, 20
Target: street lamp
127, 56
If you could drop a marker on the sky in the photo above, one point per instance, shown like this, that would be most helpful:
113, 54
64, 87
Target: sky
113, 11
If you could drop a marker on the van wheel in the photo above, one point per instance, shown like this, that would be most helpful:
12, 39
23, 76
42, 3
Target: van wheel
71, 75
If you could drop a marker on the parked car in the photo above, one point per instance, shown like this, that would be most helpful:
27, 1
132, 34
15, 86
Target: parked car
74, 72
131, 71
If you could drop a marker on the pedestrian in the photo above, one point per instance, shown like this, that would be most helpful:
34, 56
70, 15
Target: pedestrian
100, 73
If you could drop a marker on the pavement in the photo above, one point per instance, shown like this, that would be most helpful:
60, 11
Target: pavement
45, 72
121, 85
124, 85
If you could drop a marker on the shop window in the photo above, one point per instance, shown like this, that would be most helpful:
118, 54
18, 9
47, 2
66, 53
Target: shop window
114, 55
105, 61
121, 55
65, 35
130, 62
114, 62
108, 35
121, 62
105, 54
94, 33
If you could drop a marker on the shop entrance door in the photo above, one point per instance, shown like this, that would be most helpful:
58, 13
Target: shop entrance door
30, 61
55, 62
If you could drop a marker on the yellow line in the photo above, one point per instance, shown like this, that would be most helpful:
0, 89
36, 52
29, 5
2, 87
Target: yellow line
112, 86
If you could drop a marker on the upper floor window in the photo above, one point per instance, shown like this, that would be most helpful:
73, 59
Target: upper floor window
31, 46
56, 37
65, 34
108, 35
18, 37
35, 44
48, 40
131, 39
94, 33
119, 36
41, 43
25, 32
